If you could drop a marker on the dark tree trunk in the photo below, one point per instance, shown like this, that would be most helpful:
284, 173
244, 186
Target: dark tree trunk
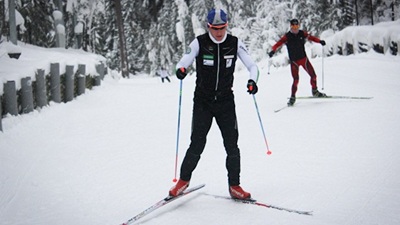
122, 46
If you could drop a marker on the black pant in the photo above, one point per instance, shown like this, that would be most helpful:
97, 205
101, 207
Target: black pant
204, 110
167, 78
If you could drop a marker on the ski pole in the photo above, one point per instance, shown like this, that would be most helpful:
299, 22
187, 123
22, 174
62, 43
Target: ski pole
261, 124
177, 132
322, 67
269, 64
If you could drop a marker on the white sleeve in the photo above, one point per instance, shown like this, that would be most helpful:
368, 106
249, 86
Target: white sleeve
247, 61
190, 55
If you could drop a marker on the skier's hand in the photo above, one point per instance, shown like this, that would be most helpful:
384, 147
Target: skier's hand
271, 53
322, 42
252, 87
181, 73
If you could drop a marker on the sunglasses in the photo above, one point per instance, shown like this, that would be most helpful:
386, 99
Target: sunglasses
295, 26
218, 27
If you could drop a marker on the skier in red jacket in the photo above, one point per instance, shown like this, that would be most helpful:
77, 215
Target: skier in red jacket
295, 40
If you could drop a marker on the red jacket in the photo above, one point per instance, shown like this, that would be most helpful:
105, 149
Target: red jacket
295, 44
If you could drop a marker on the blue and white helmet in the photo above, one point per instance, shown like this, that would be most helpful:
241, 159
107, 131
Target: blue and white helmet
217, 17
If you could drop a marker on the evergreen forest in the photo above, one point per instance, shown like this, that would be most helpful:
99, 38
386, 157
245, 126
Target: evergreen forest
155, 33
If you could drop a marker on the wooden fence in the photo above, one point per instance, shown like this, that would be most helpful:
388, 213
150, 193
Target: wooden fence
54, 87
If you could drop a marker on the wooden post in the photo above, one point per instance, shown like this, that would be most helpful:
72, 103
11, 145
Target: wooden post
10, 98
69, 83
100, 76
101, 70
81, 79
40, 94
26, 95
55, 82
97, 81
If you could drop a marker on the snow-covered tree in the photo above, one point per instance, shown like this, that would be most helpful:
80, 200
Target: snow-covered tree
38, 22
163, 42
111, 36
157, 32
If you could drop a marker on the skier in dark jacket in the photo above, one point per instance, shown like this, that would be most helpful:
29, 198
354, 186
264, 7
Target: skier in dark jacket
215, 53
295, 40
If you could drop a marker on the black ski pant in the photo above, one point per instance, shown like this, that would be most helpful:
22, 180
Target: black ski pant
204, 110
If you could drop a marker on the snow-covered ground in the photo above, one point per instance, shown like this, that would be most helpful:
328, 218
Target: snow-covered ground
33, 58
110, 154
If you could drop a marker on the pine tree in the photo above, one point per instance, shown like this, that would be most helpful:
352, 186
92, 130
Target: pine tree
99, 34
162, 44
198, 11
38, 22
137, 22
242, 16
121, 39
347, 12
3, 22
301, 11
111, 35
184, 27
322, 18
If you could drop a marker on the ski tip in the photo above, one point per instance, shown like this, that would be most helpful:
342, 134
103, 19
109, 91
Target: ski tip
200, 186
308, 213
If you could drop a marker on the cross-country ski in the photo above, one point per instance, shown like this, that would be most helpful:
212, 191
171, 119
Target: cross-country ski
333, 97
161, 203
257, 203
324, 97
280, 109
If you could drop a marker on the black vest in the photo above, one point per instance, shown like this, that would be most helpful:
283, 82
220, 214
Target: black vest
215, 65
295, 45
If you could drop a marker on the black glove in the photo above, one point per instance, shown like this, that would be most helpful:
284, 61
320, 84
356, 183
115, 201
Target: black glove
181, 73
271, 53
252, 87
322, 42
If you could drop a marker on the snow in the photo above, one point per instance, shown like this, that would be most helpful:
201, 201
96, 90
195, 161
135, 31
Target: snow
57, 15
110, 154
19, 19
70, 5
78, 28
60, 29
198, 29
383, 34
180, 31
33, 58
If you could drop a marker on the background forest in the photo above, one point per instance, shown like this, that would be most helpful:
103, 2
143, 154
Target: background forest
156, 32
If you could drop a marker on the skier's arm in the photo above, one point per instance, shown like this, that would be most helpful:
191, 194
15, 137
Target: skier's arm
190, 55
278, 44
311, 38
247, 61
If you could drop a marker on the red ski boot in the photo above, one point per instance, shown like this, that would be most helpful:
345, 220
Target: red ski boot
238, 193
178, 188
